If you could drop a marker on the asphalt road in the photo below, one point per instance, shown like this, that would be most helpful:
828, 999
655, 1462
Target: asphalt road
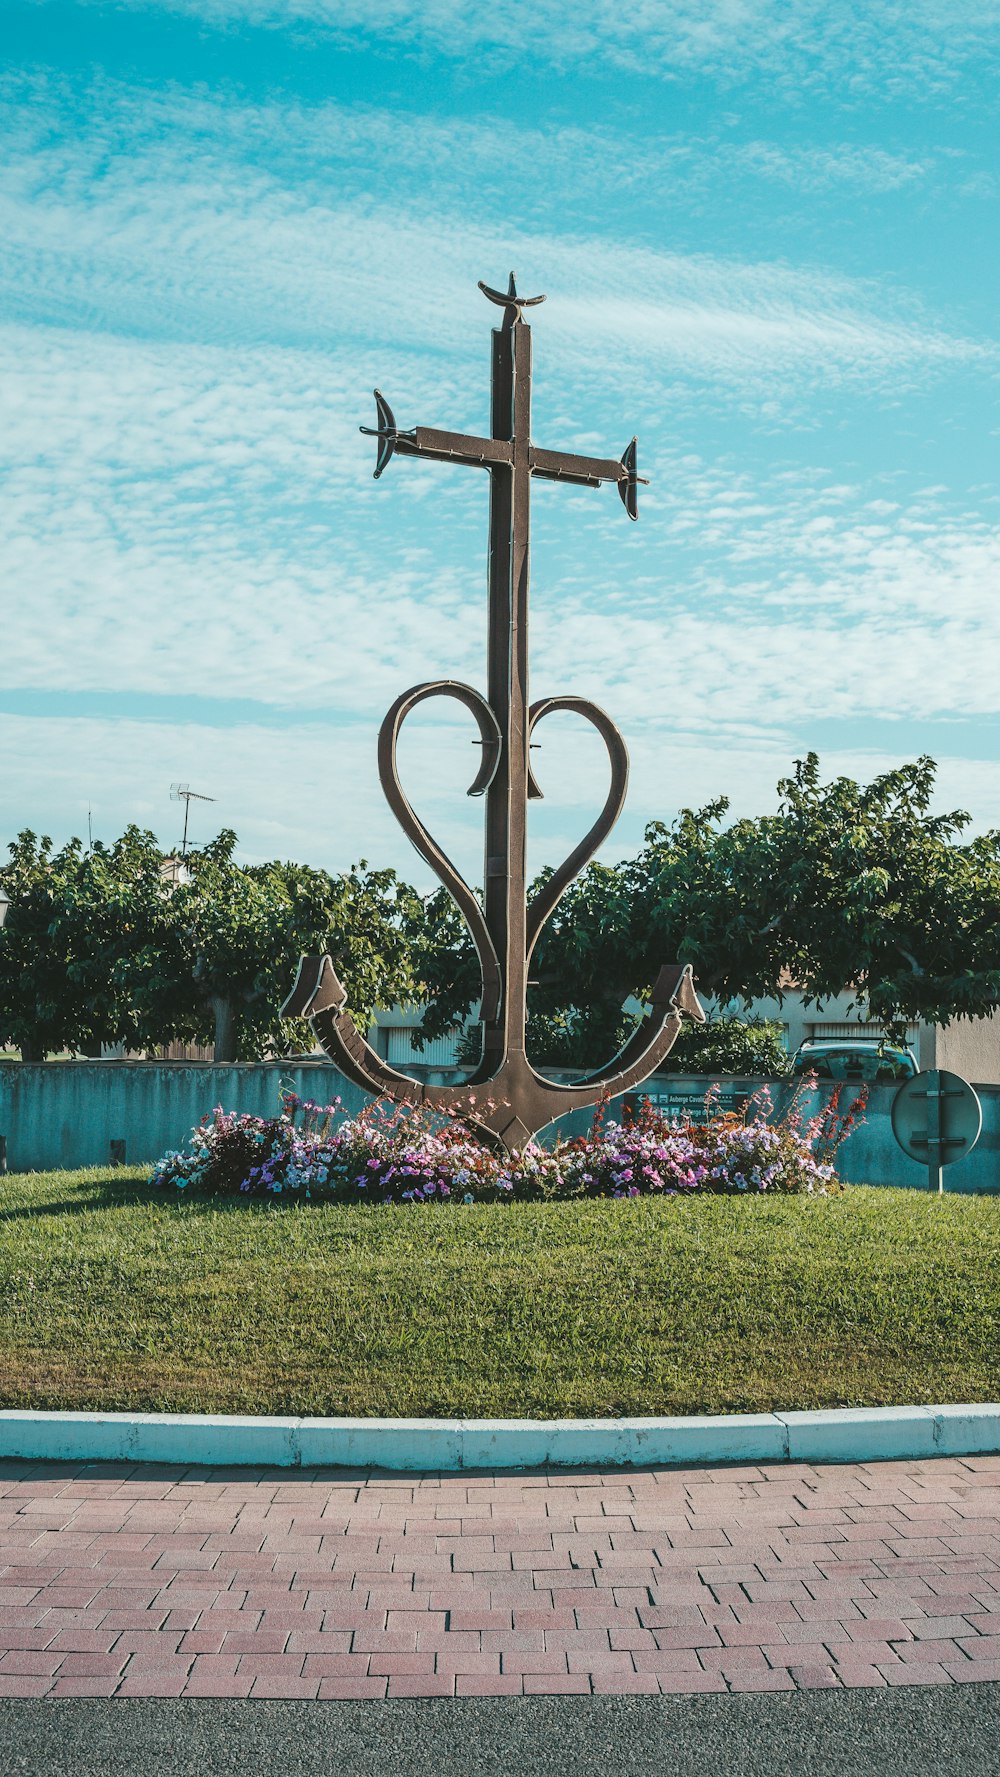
916, 1731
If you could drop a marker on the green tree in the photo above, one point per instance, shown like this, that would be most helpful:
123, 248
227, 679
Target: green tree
105, 947
81, 925
729, 1045
857, 888
237, 934
445, 966
846, 887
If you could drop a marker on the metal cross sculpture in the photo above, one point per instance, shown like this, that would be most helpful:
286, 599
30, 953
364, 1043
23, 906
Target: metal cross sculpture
505, 1099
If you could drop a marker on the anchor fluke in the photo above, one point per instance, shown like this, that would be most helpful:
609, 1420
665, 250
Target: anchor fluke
629, 481
315, 989
386, 431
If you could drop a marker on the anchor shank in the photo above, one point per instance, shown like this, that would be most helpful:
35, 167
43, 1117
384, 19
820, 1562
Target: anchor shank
507, 678
517, 882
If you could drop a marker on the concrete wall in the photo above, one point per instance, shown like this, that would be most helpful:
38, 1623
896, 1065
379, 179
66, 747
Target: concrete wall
67, 1113
966, 1046
872, 1156
799, 1020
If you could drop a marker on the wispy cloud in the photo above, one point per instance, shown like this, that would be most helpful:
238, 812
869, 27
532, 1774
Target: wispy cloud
854, 46
174, 225
194, 308
434, 154
808, 168
203, 523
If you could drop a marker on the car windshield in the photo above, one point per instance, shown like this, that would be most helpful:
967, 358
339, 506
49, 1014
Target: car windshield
855, 1063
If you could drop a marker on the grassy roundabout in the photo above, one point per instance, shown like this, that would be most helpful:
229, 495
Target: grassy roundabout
116, 1296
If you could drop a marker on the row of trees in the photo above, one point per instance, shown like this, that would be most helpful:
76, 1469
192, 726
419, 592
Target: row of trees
846, 886
107, 946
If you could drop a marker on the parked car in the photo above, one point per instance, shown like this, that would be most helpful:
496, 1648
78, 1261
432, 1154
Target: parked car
855, 1058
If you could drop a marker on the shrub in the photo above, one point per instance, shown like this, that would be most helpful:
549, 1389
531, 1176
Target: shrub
728, 1045
393, 1154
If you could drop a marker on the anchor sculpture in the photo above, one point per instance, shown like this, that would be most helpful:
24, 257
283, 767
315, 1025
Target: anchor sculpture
505, 1100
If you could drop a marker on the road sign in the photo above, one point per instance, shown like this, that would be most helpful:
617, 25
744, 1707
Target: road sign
936, 1118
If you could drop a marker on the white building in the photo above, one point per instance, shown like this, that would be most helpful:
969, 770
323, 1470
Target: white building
967, 1046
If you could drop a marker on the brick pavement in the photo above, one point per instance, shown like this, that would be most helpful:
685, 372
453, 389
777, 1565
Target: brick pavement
156, 1582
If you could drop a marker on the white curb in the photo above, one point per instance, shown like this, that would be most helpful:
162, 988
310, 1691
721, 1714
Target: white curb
854, 1434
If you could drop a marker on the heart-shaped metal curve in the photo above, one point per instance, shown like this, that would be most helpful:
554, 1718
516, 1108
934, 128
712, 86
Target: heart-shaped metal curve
514, 1102
543, 904
466, 900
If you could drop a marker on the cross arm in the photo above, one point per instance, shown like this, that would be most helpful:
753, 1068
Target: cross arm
561, 465
428, 441
453, 447
488, 453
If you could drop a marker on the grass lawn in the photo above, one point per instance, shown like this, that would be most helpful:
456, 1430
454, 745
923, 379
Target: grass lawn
113, 1296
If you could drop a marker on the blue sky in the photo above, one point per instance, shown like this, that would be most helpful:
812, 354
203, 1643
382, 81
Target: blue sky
768, 236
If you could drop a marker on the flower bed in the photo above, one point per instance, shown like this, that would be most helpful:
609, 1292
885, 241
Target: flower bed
390, 1154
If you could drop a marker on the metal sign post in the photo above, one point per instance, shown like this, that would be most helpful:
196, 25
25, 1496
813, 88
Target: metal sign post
936, 1118
505, 1100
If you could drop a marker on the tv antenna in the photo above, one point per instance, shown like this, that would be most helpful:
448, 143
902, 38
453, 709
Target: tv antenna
184, 793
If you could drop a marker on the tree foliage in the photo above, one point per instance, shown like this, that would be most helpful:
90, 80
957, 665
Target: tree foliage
103, 947
730, 1045
847, 887
857, 888
242, 928
80, 927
